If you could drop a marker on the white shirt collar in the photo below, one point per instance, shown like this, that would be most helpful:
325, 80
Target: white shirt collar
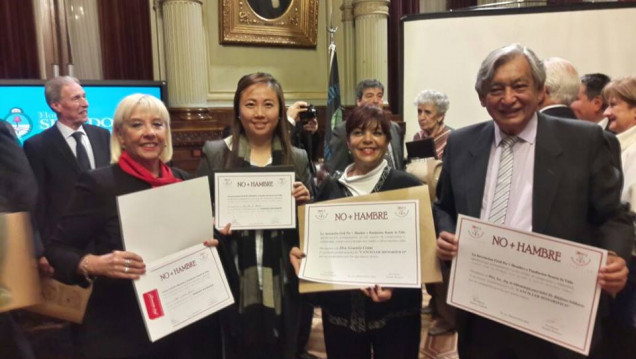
528, 134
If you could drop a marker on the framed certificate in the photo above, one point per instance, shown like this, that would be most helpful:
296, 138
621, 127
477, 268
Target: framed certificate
541, 285
255, 199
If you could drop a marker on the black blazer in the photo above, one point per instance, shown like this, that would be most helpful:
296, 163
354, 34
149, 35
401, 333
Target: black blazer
576, 191
18, 189
560, 111
113, 325
56, 171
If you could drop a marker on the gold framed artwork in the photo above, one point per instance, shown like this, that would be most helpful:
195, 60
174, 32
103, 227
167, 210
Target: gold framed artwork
292, 23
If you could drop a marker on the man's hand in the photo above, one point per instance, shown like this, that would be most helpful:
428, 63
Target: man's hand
295, 109
45, 269
311, 126
446, 246
612, 277
295, 256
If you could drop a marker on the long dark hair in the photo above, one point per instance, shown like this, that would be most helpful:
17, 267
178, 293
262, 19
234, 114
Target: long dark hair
282, 129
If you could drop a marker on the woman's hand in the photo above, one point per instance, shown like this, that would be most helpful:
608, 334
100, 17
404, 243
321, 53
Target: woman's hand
378, 294
295, 256
300, 193
226, 231
116, 264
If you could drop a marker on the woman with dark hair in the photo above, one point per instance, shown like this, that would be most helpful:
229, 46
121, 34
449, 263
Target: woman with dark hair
263, 322
372, 322
87, 245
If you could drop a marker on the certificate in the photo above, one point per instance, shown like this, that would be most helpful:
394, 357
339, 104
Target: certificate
363, 244
182, 288
254, 200
541, 285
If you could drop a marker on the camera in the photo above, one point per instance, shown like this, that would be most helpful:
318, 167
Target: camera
309, 114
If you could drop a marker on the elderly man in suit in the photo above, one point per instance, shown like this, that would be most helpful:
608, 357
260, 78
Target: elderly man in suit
368, 92
562, 186
561, 88
59, 154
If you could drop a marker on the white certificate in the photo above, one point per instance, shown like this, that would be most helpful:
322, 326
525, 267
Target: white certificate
180, 289
541, 285
363, 244
254, 200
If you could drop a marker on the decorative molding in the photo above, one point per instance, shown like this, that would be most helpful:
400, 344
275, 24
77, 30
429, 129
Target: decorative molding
370, 7
297, 27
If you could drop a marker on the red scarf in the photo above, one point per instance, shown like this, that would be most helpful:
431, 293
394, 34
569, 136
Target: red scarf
135, 169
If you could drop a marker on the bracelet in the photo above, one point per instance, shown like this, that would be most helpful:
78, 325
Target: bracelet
84, 269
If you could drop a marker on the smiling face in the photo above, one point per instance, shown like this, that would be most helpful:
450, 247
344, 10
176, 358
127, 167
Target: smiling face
258, 112
429, 119
512, 97
367, 146
143, 136
620, 114
72, 108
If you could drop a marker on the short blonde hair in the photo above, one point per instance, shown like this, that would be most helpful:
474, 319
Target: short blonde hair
125, 109
623, 88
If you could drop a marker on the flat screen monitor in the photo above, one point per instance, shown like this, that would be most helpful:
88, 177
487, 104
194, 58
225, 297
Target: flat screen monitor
23, 105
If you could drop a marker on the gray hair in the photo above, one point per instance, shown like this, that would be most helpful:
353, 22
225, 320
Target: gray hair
503, 55
562, 80
438, 99
53, 88
366, 84
125, 109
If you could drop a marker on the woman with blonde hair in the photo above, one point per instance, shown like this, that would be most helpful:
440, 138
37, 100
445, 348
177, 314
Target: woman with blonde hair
87, 245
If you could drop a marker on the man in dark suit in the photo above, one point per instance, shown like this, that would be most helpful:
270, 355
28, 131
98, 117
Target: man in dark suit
368, 92
561, 88
562, 186
55, 155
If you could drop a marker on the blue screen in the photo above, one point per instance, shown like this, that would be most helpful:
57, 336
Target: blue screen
25, 108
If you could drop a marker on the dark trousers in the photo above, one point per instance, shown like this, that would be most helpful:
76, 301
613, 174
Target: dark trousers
304, 325
13, 344
399, 339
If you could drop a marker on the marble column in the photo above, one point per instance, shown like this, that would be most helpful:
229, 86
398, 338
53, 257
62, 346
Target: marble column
371, 21
185, 56
347, 55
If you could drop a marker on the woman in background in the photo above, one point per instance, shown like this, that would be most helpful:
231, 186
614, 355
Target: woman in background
87, 245
621, 112
431, 110
375, 322
263, 322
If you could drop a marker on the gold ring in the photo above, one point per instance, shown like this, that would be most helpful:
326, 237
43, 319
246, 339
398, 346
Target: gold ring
127, 262
126, 269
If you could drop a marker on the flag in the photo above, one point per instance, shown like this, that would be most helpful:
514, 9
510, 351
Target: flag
334, 111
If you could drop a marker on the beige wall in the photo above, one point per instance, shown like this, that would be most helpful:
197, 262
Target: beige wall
302, 72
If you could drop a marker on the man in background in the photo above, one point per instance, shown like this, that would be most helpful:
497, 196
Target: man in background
368, 92
561, 88
590, 104
59, 154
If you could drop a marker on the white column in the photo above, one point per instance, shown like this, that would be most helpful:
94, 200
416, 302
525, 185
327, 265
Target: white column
184, 37
347, 55
371, 21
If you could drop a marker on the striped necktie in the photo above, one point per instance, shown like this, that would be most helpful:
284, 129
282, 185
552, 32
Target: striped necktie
504, 178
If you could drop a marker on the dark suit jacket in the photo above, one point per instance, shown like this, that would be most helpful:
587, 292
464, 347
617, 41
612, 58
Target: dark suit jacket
576, 192
56, 171
560, 111
341, 158
18, 189
112, 326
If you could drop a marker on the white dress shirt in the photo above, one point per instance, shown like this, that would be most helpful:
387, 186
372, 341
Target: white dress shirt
67, 133
519, 211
